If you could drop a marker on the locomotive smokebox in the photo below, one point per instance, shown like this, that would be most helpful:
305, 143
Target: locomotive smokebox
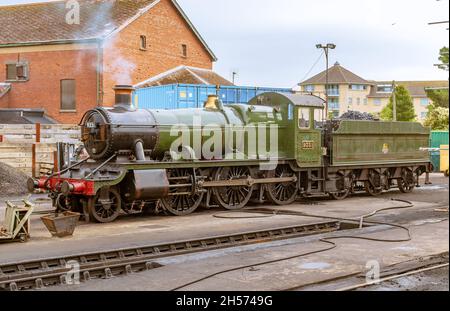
123, 96
121, 129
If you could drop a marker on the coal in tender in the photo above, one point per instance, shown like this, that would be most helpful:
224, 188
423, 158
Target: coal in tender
356, 115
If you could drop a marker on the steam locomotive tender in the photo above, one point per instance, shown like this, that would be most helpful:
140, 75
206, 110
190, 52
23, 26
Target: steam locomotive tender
131, 164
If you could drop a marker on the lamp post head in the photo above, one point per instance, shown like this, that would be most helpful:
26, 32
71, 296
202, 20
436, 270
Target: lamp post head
331, 46
319, 46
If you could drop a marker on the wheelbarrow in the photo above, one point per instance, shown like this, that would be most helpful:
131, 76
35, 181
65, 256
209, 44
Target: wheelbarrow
17, 222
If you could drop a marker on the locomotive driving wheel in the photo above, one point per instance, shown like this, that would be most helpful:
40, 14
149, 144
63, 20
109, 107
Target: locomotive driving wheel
233, 197
373, 185
406, 184
182, 200
281, 193
105, 206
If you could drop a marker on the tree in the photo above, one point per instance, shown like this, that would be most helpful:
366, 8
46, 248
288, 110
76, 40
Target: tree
437, 118
438, 97
443, 58
405, 106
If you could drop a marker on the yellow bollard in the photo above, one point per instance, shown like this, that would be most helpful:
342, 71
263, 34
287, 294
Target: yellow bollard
444, 159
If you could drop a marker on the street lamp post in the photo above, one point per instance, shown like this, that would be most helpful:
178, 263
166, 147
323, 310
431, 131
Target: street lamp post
394, 102
326, 48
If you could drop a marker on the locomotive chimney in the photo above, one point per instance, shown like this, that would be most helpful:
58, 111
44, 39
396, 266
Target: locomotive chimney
124, 96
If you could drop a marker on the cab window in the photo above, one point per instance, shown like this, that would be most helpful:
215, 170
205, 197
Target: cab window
303, 118
318, 118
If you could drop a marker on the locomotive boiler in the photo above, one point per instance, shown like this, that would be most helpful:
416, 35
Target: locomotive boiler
276, 148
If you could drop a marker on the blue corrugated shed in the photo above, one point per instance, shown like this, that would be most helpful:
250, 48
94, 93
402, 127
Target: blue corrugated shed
177, 96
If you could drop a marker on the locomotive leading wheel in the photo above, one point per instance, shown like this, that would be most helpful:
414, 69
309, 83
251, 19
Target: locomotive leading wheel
105, 206
281, 193
406, 184
233, 197
185, 203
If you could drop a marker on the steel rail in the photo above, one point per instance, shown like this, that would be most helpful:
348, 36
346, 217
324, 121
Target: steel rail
54, 271
393, 277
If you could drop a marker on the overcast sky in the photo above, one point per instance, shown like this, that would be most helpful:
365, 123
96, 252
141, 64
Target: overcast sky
272, 43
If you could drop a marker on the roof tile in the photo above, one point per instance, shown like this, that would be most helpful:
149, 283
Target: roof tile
42, 22
336, 75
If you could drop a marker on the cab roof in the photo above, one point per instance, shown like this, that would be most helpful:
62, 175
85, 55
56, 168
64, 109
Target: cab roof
296, 99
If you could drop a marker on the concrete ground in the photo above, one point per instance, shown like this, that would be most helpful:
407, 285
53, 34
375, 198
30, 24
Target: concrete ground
427, 220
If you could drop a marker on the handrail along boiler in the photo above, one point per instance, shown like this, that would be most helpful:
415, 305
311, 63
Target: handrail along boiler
131, 167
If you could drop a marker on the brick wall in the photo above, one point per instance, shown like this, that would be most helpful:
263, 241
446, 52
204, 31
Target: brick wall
46, 69
166, 31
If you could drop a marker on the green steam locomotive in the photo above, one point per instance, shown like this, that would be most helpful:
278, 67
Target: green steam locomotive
277, 148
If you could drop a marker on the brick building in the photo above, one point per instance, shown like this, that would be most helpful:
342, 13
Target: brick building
69, 68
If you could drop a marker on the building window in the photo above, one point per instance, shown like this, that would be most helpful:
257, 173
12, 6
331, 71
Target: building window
424, 102
365, 101
333, 90
423, 115
17, 71
333, 104
184, 50
309, 88
350, 101
357, 87
143, 43
377, 102
386, 88
68, 102
358, 101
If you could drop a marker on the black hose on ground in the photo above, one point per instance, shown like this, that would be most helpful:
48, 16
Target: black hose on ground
327, 240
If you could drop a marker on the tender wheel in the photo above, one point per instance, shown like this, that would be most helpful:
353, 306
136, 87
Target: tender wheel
373, 185
340, 195
185, 203
406, 184
233, 197
281, 193
105, 206
344, 193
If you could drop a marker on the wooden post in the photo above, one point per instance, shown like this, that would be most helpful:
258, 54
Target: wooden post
55, 162
33, 160
38, 132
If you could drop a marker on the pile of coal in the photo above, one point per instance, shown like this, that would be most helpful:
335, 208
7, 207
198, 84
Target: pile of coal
356, 115
12, 181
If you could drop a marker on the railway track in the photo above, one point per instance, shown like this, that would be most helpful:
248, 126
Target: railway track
355, 281
36, 274
393, 277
